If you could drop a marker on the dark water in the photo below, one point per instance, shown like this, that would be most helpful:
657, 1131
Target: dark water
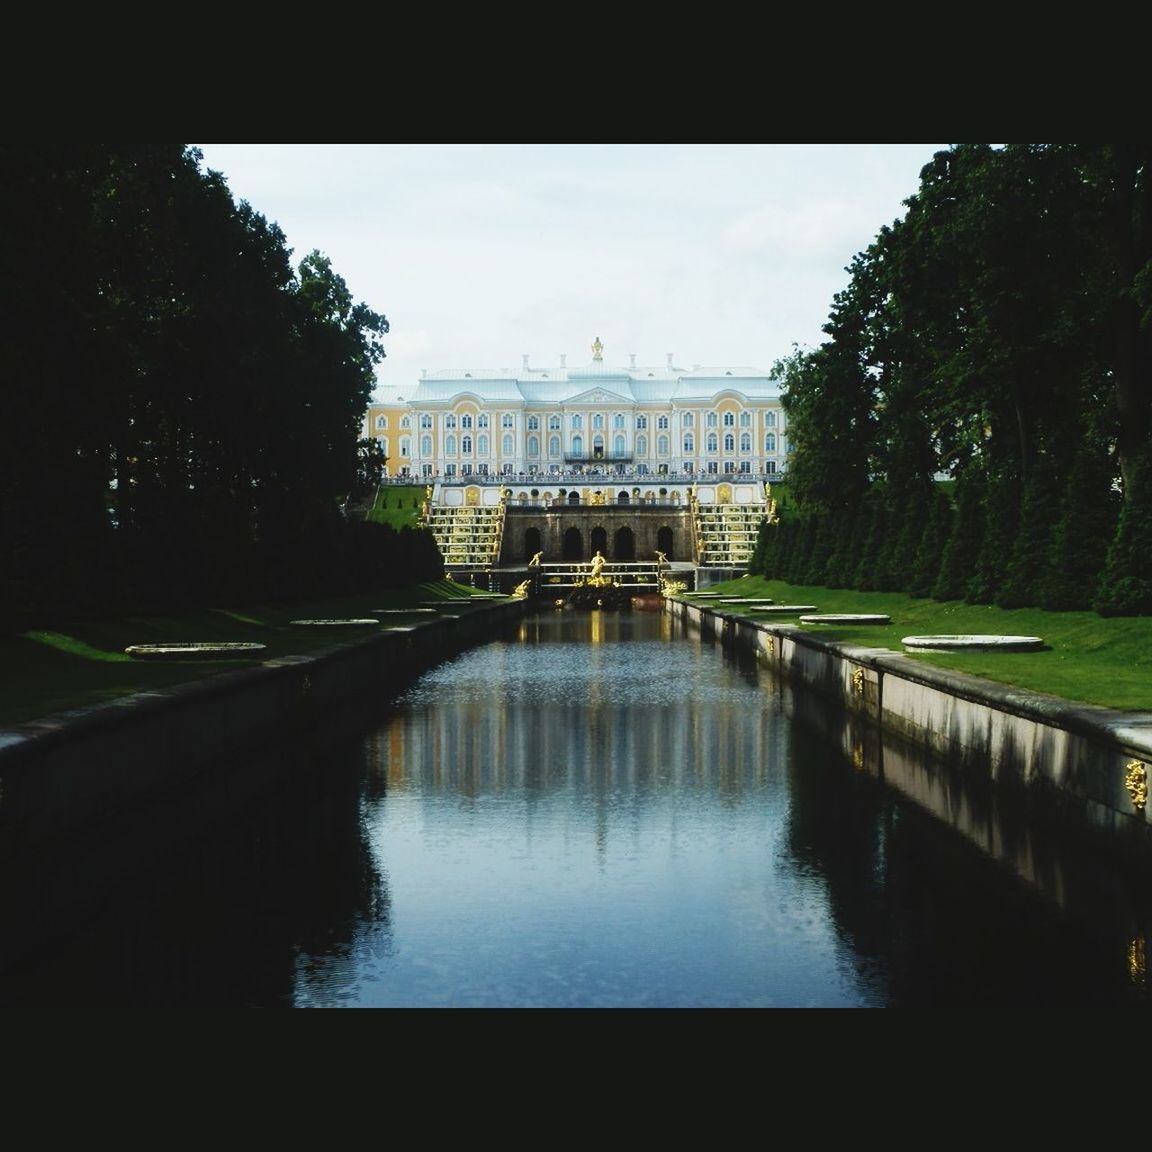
598, 810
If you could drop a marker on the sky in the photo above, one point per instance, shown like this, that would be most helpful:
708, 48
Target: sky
718, 255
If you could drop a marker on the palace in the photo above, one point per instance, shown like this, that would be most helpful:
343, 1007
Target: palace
596, 420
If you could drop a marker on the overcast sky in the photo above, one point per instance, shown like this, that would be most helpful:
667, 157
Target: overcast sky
480, 254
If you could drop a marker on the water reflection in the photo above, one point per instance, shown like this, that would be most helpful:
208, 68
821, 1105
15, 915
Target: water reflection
593, 810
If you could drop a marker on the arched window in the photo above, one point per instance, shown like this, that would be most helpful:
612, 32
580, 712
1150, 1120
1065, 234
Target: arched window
425, 445
466, 421
641, 445
713, 443
577, 445
662, 446
687, 420
662, 423
533, 445
577, 421
506, 420
598, 422
405, 447
729, 420
769, 419
641, 423
618, 446
507, 445
745, 419
745, 441
482, 445
425, 421
406, 422
450, 420
381, 422
770, 442
729, 442
618, 420
689, 443
466, 445
553, 423
711, 420
482, 420
533, 423
450, 445
553, 445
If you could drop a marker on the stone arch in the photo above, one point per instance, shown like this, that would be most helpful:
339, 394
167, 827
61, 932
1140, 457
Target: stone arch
573, 544
624, 544
573, 497
622, 496
664, 539
532, 543
599, 539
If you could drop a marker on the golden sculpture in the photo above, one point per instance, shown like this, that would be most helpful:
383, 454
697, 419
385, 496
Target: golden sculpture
597, 565
522, 590
597, 349
535, 561
1137, 784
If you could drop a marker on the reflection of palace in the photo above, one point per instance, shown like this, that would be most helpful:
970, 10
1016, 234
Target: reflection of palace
560, 421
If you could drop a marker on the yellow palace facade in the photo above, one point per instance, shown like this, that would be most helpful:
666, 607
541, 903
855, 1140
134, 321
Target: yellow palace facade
595, 419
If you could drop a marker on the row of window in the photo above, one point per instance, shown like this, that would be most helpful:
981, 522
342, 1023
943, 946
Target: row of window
712, 468
619, 446
598, 422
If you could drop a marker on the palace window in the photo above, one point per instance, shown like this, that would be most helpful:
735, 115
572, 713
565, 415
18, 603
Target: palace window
729, 420
466, 422
553, 445
641, 445
598, 422
662, 423
450, 420
769, 419
713, 444
745, 466
482, 420
711, 421
577, 445
618, 446
688, 420
533, 423
405, 447
425, 445
745, 419
662, 446
507, 445
745, 442
406, 422
577, 422
506, 420
618, 421
729, 466
449, 469
450, 445
381, 423
729, 442
641, 423
689, 443
533, 445
711, 468
425, 420
770, 442
466, 445
553, 423
482, 445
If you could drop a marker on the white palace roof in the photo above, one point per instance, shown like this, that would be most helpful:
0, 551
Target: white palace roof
595, 382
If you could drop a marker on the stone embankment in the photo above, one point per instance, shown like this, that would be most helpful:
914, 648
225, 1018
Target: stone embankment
74, 771
1073, 760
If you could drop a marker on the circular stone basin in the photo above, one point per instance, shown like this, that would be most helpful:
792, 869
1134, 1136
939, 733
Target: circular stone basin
784, 609
846, 618
402, 611
335, 623
973, 643
194, 648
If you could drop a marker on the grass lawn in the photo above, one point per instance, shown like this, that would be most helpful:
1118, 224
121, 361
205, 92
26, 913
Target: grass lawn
1086, 658
84, 663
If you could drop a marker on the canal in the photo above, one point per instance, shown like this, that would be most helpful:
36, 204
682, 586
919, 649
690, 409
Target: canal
593, 810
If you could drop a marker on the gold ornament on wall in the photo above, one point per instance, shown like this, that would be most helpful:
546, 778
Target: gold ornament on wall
1137, 783
858, 682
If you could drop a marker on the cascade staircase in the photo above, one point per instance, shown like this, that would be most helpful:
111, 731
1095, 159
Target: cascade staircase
726, 534
469, 537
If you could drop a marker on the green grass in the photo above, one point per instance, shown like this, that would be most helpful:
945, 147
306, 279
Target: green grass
398, 505
1086, 658
84, 663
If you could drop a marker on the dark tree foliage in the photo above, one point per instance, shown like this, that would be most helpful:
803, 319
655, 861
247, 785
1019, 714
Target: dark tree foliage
181, 408
1125, 585
998, 335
